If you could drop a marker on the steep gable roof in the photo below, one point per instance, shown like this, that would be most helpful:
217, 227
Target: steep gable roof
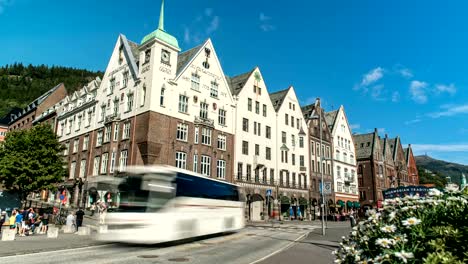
330, 118
236, 83
367, 142
308, 110
130, 55
185, 57
135, 50
277, 98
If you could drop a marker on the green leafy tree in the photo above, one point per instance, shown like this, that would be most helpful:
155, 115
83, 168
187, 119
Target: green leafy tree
30, 160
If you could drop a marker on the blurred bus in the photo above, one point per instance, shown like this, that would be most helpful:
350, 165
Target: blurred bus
158, 204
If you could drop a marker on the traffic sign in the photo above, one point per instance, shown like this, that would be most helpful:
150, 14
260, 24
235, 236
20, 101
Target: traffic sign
268, 192
327, 188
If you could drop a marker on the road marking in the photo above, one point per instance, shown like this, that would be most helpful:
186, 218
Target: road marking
59, 250
281, 249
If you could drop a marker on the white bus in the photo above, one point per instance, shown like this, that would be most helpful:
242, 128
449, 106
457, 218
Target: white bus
158, 204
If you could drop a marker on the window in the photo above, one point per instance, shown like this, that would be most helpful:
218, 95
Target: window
286, 119
338, 172
143, 96
97, 161
183, 103
75, 145
293, 158
272, 176
72, 170
123, 159
103, 113
147, 56
264, 110
112, 162
259, 129
293, 179
339, 187
126, 130
345, 157
257, 150
116, 132
249, 105
264, 175
268, 132
111, 86
104, 162
293, 140
239, 171
99, 138
222, 117
292, 121
129, 102
182, 131
89, 119
107, 135
222, 142
195, 162
351, 159
116, 107
249, 172
70, 124
362, 195
214, 90
196, 134
245, 147
206, 136
257, 176
301, 142
203, 110
221, 169
85, 142
301, 160
268, 153
125, 79
205, 165
245, 124
255, 128
283, 137
195, 82
337, 154
297, 123
181, 160
312, 164
257, 107
161, 99
78, 122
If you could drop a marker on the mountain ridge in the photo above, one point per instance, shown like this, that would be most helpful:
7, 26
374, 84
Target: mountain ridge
445, 168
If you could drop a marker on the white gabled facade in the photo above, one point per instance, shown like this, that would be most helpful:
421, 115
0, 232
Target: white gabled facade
292, 153
344, 158
255, 145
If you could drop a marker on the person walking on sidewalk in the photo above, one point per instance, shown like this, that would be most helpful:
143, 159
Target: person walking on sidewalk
19, 223
93, 209
102, 212
79, 218
70, 222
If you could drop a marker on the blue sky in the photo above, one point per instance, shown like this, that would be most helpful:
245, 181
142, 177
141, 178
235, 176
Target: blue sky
395, 65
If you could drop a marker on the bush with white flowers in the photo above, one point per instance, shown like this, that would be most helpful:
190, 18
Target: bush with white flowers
413, 229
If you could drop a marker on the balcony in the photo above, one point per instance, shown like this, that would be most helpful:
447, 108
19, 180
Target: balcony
112, 118
204, 121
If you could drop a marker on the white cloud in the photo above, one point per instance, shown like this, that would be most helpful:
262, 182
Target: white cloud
355, 126
442, 88
372, 76
418, 91
377, 92
421, 148
265, 23
395, 96
214, 25
406, 73
450, 110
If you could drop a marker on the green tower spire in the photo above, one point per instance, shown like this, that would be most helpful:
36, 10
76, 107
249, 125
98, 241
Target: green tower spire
160, 33
161, 17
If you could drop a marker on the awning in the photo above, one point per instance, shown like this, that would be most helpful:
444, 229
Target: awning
357, 205
302, 201
285, 200
340, 203
349, 203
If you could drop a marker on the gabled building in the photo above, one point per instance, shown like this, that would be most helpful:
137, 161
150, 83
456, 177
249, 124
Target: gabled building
344, 160
320, 145
413, 173
400, 178
370, 169
292, 153
255, 146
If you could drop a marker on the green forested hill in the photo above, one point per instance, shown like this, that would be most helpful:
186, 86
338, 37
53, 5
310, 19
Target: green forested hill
442, 168
20, 84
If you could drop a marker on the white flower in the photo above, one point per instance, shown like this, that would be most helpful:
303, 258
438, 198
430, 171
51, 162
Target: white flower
411, 221
406, 208
354, 233
404, 255
385, 242
434, 192
388, 228
392, 216
401, 238
338, 261
365, 238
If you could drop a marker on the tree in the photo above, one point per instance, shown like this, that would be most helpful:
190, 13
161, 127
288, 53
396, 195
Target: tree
30, 160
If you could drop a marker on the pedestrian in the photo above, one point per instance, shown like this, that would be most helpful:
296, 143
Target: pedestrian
45, 222
351, 218
19, 223
2, 220
93, 208
102, 212
71, 222
79, 218
13, 220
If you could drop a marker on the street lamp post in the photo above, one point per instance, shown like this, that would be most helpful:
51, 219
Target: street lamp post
321, 172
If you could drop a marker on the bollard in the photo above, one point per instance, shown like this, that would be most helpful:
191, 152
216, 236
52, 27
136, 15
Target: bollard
84, 231
68, 229
8, 234
52, 232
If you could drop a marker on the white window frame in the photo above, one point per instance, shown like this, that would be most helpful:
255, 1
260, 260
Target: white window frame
222, 142
206, 136
195, 162
107, 134
222, 117
126, 130
195, 82
75, 145
116, 132
204, 110
182, 132
112, 162
104, 162
181, 160
214, 89
205, 168
197, 132
83, 168
97, 162
85, 142
123, 159
71, 175
221, 169
130, 102
183, 103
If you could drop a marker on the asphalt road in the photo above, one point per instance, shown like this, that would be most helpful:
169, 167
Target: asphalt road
250, 245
